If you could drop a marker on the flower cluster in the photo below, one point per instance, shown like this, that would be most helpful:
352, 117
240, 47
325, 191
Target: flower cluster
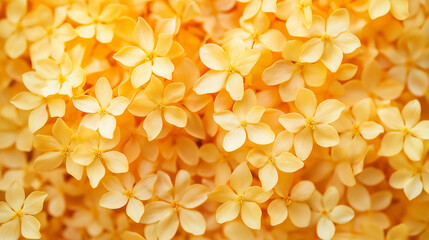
214, 119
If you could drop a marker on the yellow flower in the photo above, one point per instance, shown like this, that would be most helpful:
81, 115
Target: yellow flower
327, 44
329, 212
370, 206
16, 214
291, 74
56, 148
412, 176
357, 128
243, 122
228, 65
102, 109
295, 12
38, 106
95, 21
398, 8
55, 78
253, 7
410, 64
91, 150
257, 34
242, 198
155, 102
404, 131
185, 10
147, 58
292, 202
176, 206
57, 33
312, 120
274, 158
17, 29
128, 193
14, 129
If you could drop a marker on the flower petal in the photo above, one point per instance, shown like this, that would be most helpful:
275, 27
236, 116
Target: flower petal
115, 161
260, 133
214, 57
113, 200
325, 135
192, 221
251, 214
227, 211
135, 209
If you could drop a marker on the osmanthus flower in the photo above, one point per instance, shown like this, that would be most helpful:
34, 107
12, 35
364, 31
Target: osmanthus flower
151, 56
244, 122
128, 192
16, 214
38, 105
404, 130
328, 41
412, 176
14, 130
158, 103
313, 120
56, 77
228, 65
295, 12
398, 8
327, 210
17, 30
176, 205
253, 7
292, 202
92, 151
57, 33
56, 148
274, 158
290, 74
369, 206
242, 198
357, 128
94, 21
184, 10
257, 34
102, 108
410, 62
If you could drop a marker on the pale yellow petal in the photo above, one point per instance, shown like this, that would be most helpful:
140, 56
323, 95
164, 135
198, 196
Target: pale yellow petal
268, 176
400, 9
168, 225
30, 227
312, 50
413, 187
6, 213
280, 72
135, 209
314, 74
421, 130
347, 42
10, 230
338, 22
162, 66
175, 116
251, 214
212, 81
278, 211
174, 92
371, 130
293, 122
300, 214
241, 178
260, 133
115, 161
153, 124
214, 57
332, 56
399, 178
325, 135
192, 221
222, 193
391, 144
234, 139
15, 196
130, 56
287, 162
391, 117
330, 198
95, 172
104, 32
306, 102
325, 228
227, 211
235, 86
273, 39
303, 143
113, 200
378, 8
328, 111
143, 34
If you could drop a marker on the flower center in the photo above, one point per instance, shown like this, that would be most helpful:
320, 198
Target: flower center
230, 69
405, 131
310, 123
98, 153
240, 199
150, 56
303, 3
103, 112
66, 151
175, 205
161, 106
356, 129
325, 38
299, 66
61, 78
410, 63
243, 123
129, 193
270, 159
18, 213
